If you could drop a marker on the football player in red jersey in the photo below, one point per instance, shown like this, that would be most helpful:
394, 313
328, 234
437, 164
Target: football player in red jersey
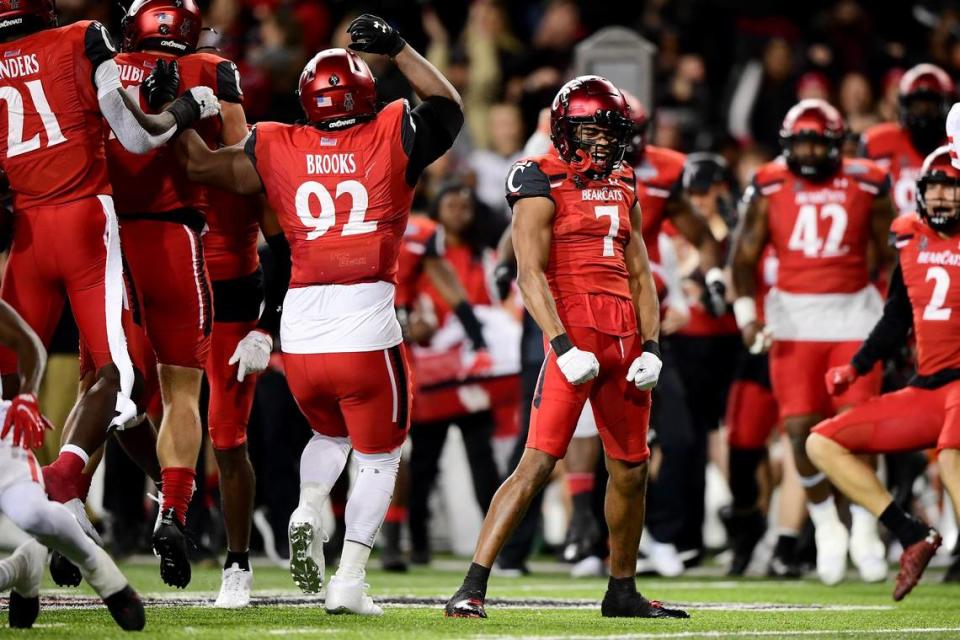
162, 220
59, 84
822, 214
925, 296
584, 275
925, 94
342, 186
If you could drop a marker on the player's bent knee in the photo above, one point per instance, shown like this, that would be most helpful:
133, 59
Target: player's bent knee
108, 377
820, 449
379, 462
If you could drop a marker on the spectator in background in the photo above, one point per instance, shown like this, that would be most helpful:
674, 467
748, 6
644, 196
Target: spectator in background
856, 102
764, 92
490, 166
889, 107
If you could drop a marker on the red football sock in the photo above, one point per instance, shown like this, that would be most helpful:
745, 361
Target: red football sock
177, 490
338, 508
62, 477
580, 482
396, 514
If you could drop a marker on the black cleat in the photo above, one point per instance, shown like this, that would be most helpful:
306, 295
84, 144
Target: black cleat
465, 603
23, 611
64, 572
634, 605
127, 609
170, 545
745, 530
953, 571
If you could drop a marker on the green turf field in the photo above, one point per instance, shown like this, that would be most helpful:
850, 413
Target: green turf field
548, 605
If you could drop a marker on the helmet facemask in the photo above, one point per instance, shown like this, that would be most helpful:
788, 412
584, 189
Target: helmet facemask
812, 155
598, 144
938, 201
924, 115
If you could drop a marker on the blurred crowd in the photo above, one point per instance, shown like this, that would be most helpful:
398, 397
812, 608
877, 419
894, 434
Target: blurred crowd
726, 72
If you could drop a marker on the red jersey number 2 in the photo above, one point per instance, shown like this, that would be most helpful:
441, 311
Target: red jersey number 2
13, 100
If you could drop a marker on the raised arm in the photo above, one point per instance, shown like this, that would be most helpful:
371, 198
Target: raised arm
749, 241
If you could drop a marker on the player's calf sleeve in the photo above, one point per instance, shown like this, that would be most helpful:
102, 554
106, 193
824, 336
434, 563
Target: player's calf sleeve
63, 476
367, 506
178, 484
321, 463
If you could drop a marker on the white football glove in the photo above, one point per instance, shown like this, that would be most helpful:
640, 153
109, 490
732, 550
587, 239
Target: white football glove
578, 366
953, 134
127, 415
209, 104
252, 354
645, 371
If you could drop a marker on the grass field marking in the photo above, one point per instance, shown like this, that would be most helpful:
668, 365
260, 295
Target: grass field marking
303, 630
731, 634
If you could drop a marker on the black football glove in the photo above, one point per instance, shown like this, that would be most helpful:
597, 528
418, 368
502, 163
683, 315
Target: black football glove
503, 276
371, 34
163, 84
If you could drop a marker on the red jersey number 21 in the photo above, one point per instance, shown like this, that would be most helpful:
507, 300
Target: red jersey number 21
612, 212
13, 101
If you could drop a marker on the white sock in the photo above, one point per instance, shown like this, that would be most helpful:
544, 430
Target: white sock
366, 508
353, 560
10, 569
49, 522
823, 512
862, 522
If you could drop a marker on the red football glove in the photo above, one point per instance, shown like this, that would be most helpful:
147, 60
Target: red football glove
28, 424
481, 365
839, 379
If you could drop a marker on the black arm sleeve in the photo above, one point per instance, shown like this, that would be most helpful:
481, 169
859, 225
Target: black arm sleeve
428, 132
891, 330
228, 82
526, 180
276, 285
471, 325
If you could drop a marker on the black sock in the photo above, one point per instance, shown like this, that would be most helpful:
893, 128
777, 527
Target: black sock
743, 477
241, 558
583, 502
476, 579
907, 528
786, 548
622, 586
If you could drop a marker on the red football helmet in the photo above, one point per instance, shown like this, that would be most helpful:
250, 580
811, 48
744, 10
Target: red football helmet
817, 121
25, 16
638, 142
925, 94
942, 214
164, 25
337, 89
590, 100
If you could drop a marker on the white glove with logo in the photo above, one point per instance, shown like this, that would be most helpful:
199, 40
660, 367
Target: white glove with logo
645, 371
206, 100
578, 366
127, 415
252, 354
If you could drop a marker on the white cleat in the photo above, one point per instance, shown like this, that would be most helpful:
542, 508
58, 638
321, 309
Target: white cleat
235, 588
832, 543
665, 559
868, 555
350, 596
29, 560
79, 511
307, 563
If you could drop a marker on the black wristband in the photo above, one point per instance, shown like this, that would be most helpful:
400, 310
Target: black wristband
652, 346
398, 47
471, 326
185, 111
561, 344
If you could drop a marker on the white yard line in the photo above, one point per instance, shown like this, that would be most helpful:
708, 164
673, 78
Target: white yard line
736, 634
